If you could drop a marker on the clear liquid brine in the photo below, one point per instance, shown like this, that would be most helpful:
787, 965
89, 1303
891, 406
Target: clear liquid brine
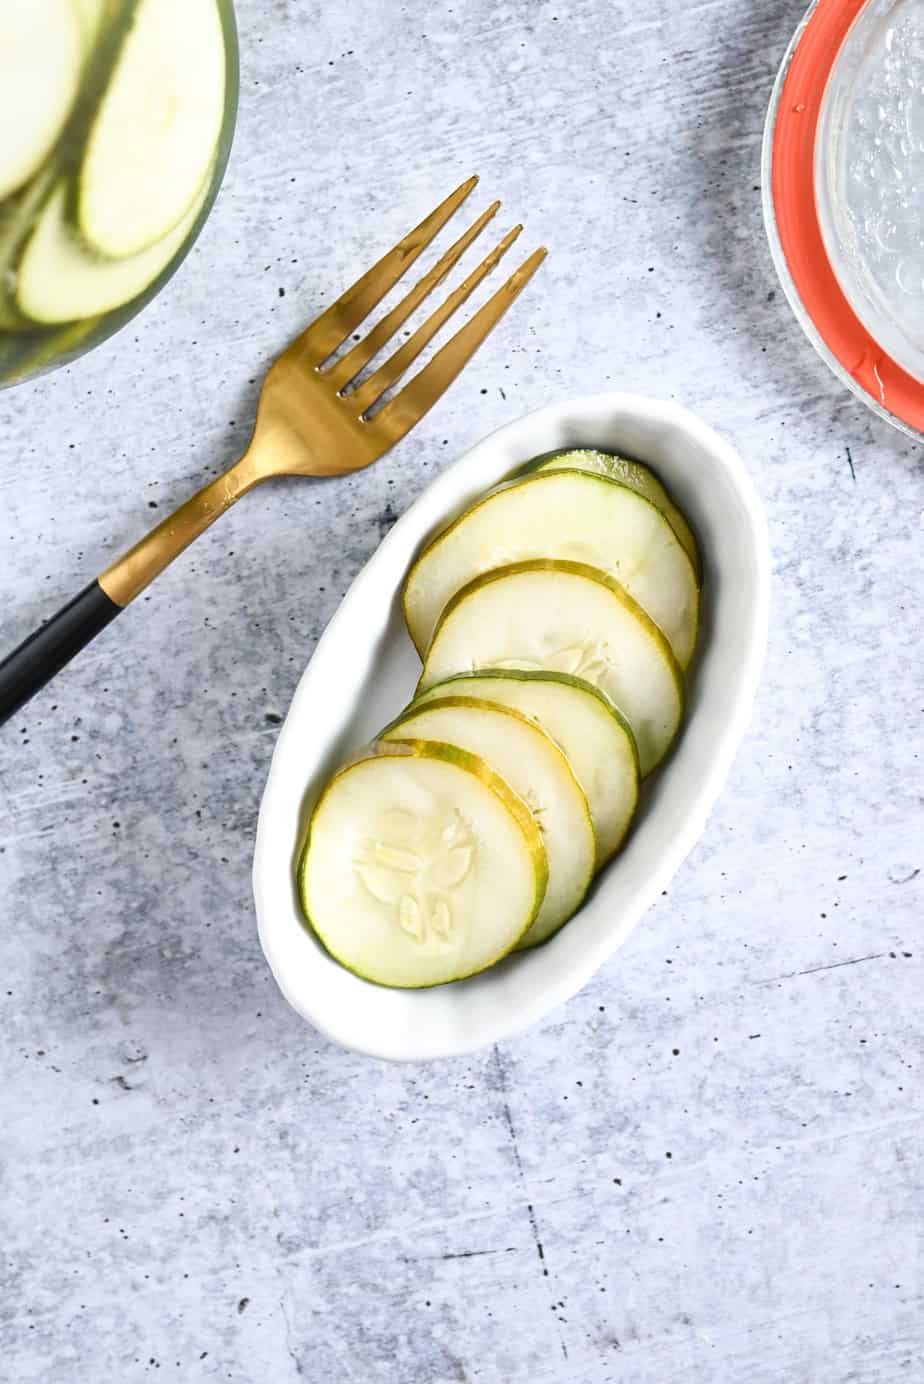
116, 119
870, 175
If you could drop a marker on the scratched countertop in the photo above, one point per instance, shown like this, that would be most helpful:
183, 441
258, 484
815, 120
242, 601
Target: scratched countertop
707, 1166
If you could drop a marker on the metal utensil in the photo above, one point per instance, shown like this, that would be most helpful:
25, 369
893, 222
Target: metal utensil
313, 419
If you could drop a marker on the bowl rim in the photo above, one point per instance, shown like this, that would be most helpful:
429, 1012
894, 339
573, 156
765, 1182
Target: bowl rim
442, 496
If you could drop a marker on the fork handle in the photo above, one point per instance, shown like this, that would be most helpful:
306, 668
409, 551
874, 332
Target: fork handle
45, 652
52, 645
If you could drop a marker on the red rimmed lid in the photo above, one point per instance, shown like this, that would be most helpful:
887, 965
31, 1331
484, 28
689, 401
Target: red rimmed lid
799, 228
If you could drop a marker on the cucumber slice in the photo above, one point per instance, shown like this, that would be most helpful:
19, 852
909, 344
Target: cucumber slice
59, 279
41, 55
536, 769
594, 736
421, 865
157, 127
17, 217
565, 617
569, 515
638, 478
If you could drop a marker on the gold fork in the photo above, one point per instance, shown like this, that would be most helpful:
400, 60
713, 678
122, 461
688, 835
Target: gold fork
313, 419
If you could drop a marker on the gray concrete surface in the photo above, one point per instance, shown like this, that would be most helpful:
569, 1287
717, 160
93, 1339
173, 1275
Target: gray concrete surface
707, 1167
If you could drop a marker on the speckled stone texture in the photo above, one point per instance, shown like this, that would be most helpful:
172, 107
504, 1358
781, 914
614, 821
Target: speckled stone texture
707, 1167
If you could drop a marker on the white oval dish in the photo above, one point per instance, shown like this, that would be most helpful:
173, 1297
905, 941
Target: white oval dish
364, 670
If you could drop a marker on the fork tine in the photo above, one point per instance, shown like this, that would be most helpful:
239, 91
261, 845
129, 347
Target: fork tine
326, 332
393, 368
422, 392
350, 365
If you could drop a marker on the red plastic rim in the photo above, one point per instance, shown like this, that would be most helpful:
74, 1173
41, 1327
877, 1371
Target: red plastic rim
798, 226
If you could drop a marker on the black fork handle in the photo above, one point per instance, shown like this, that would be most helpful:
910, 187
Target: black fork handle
46, 651
54, 644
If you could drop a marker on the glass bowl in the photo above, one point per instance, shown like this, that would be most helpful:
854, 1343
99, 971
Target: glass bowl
28, 347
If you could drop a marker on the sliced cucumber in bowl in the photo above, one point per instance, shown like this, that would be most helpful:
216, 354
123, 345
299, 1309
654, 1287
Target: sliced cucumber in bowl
637, 477
536, 769
557, 676
157, 127
59, 278
42, 47
568, 515
421, 865
565, 617
17, 218
595, 738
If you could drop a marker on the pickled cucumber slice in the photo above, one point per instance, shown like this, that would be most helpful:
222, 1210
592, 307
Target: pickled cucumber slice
565, 617
594, 736
17, 218
536, 769
569, 515
637, 477
157, 127
41, 55
60, 279
421, 865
